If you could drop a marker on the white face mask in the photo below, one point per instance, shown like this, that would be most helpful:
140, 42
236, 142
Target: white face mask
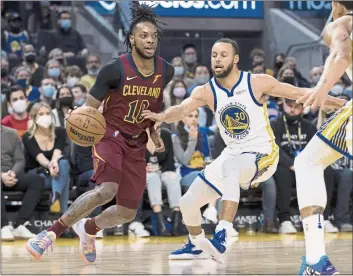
71, 81
44, 121
19, 106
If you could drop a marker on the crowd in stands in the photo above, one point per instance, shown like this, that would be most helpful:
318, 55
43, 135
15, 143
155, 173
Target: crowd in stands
42, 78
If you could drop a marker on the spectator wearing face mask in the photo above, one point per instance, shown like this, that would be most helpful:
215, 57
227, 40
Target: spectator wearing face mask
58, 55
93, 67
47, 92
73, 75
278, 63
272, 108
23, 77
315, 75
79, 92
179, 71
201, 76
258, 69
292, 63
257, 57
179, 75
44, 146
287, 75
67, 38
177, 94
190, 60
337, 89
54, 70
292, 134
6, 78
13, 38
29, 61
64, 102
17, 102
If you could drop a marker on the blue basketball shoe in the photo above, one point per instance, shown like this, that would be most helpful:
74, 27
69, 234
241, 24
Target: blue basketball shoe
188, 252
217, 246
323, 267
37, 245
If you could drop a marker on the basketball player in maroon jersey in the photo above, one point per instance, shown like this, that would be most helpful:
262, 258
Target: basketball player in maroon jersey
128, 85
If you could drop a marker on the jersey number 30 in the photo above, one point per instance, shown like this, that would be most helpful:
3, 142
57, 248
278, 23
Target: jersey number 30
135, 109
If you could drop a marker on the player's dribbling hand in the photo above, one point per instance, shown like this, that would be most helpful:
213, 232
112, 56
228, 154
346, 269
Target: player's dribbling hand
157, 117
158, 142
69, 112
314, 98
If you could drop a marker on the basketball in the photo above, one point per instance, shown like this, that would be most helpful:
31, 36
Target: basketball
85, 126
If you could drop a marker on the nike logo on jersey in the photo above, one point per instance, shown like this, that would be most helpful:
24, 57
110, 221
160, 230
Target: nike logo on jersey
131, 78
240, 91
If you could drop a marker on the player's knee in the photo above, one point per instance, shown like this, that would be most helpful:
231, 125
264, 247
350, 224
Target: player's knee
106, 192
300, 161
125, 215
186, 202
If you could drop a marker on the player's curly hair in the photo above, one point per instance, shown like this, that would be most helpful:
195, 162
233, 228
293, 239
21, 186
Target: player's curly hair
142, 13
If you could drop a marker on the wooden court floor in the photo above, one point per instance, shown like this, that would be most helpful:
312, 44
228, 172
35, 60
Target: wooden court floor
257, 254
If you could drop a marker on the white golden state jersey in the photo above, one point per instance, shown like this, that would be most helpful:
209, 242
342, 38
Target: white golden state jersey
242, 121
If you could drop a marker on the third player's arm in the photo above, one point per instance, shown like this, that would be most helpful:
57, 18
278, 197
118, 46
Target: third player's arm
266, 84
337, 38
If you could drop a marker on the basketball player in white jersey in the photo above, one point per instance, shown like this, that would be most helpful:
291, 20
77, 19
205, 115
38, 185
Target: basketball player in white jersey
333, 140
237, 99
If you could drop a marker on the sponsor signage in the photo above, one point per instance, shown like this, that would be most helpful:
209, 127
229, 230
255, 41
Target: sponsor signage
227, 9
314, 6
223, 9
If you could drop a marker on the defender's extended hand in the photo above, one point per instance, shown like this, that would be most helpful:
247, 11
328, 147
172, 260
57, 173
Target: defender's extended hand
314, 99
157, 117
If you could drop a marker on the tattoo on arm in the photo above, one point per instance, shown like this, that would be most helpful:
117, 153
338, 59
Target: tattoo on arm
311, 210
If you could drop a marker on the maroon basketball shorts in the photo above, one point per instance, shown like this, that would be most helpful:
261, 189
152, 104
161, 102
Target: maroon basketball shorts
117, 161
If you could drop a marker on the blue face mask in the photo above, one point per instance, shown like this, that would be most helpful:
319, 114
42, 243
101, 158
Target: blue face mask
79, 102
54, 72
22, 82
3, 97
65, 24
202, 79
178, 71
48, 91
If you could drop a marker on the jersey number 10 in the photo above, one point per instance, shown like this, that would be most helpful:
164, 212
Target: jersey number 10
135, 116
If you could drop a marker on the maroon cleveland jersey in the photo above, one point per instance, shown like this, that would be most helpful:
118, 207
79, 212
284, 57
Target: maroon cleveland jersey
127, 92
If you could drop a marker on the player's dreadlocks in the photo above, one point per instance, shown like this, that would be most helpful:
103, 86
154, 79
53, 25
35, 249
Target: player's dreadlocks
142, 13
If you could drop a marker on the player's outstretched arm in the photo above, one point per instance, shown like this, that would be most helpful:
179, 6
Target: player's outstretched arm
337, 37
178, 112
273, 87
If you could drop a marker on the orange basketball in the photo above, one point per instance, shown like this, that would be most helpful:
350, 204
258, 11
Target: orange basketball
85, 126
